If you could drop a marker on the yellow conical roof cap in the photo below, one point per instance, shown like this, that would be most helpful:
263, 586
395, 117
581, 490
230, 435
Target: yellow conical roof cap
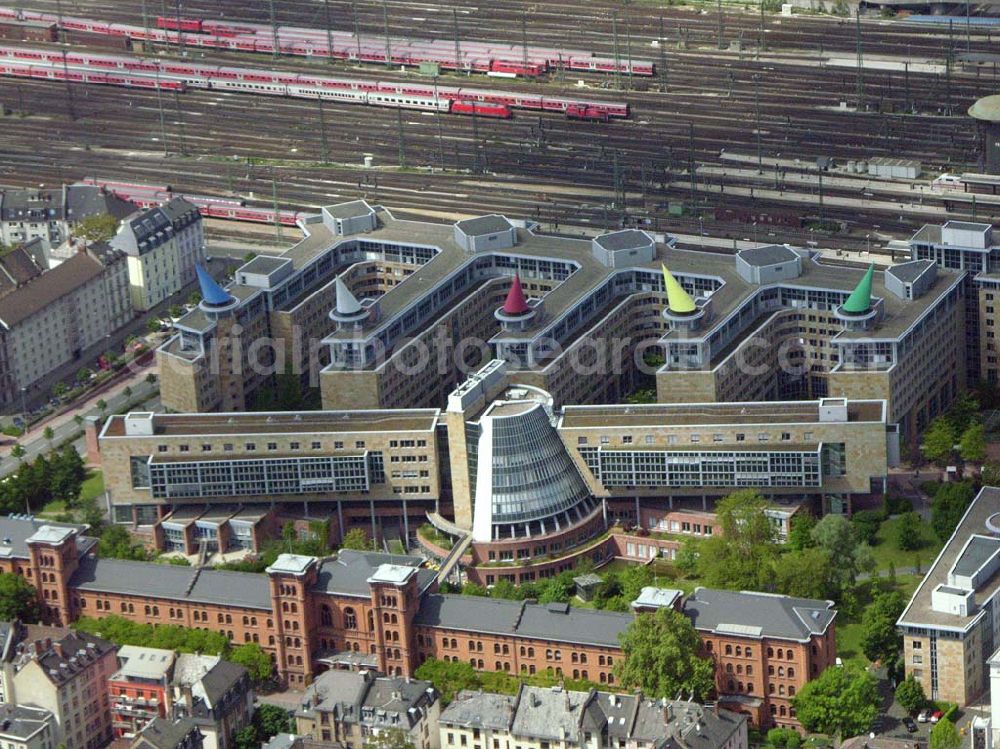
678, 300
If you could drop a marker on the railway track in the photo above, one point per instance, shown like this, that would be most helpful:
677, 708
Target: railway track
543, 166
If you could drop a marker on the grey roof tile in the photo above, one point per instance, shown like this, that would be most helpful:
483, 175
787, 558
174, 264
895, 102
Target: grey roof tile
758, 614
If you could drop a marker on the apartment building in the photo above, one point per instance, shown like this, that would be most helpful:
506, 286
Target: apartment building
169, 733
139, 689
557, 718
949, 627
351, 708
65, 673
163, 246
214, 694
27, 727
51, 215
57, 319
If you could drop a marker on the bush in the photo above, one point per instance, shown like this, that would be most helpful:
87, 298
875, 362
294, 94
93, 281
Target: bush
783, 738
897, 505
866, 524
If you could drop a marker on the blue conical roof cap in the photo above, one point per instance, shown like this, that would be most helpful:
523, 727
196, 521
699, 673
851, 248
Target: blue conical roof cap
213, 294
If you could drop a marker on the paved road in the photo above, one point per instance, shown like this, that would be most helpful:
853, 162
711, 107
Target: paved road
65, 427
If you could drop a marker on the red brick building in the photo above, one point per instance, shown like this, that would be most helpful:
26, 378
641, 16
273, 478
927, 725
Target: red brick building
373, 610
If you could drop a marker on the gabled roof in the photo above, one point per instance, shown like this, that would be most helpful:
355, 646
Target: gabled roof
761, 615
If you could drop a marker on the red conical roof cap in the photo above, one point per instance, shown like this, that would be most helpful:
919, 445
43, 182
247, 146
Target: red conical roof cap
516, 304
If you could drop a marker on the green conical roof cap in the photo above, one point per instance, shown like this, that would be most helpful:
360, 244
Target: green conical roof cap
860, 300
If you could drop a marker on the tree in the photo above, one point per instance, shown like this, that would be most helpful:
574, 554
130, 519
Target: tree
83, 375
740, 558
939, 441
841, 701
390, 738
66, 475
102, 406
783, 738
972, 444
153, 325
907, 532
127, 392
808, 573
448, 678
18, 599
949, 504
116, 543
151, 378
800, 533
272, 720
910, 694
18, 452
60, 389
474, 589
246, 738
687, 556
866, 524
48, 435
97, 228
175, 311
357, 539
944, 735
256, 661
880, 640
835, 534
661, 657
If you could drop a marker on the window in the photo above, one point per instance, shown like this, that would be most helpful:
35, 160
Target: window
350, 619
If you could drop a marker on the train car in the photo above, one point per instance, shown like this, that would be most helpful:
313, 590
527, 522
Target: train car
586, 112
100, 41
522, 69
28, 31
501, 111
179, 24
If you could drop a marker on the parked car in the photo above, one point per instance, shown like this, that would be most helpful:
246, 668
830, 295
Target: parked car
936, 716
910, 725
924, 716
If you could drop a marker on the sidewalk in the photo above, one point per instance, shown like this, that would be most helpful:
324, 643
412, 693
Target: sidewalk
65, 427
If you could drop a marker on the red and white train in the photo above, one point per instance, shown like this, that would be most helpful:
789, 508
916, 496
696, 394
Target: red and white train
149, 196
407, 95
490, 58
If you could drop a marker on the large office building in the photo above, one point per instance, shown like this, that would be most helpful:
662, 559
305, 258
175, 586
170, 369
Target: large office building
950, 627
382, 611
387, 313
525, 486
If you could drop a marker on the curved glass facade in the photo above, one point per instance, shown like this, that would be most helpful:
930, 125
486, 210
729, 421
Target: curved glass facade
533, 486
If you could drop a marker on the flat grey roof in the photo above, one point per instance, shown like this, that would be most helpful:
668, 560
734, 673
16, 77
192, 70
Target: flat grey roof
774, 616
490, 224
919, 612
351, 209
627, 239
911, 271
305, 423
771, 254
968, 226
711, 414
977, 552
264, 264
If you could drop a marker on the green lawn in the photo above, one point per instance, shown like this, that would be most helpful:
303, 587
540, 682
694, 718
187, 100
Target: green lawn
887, 551
849, 628
93, 486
